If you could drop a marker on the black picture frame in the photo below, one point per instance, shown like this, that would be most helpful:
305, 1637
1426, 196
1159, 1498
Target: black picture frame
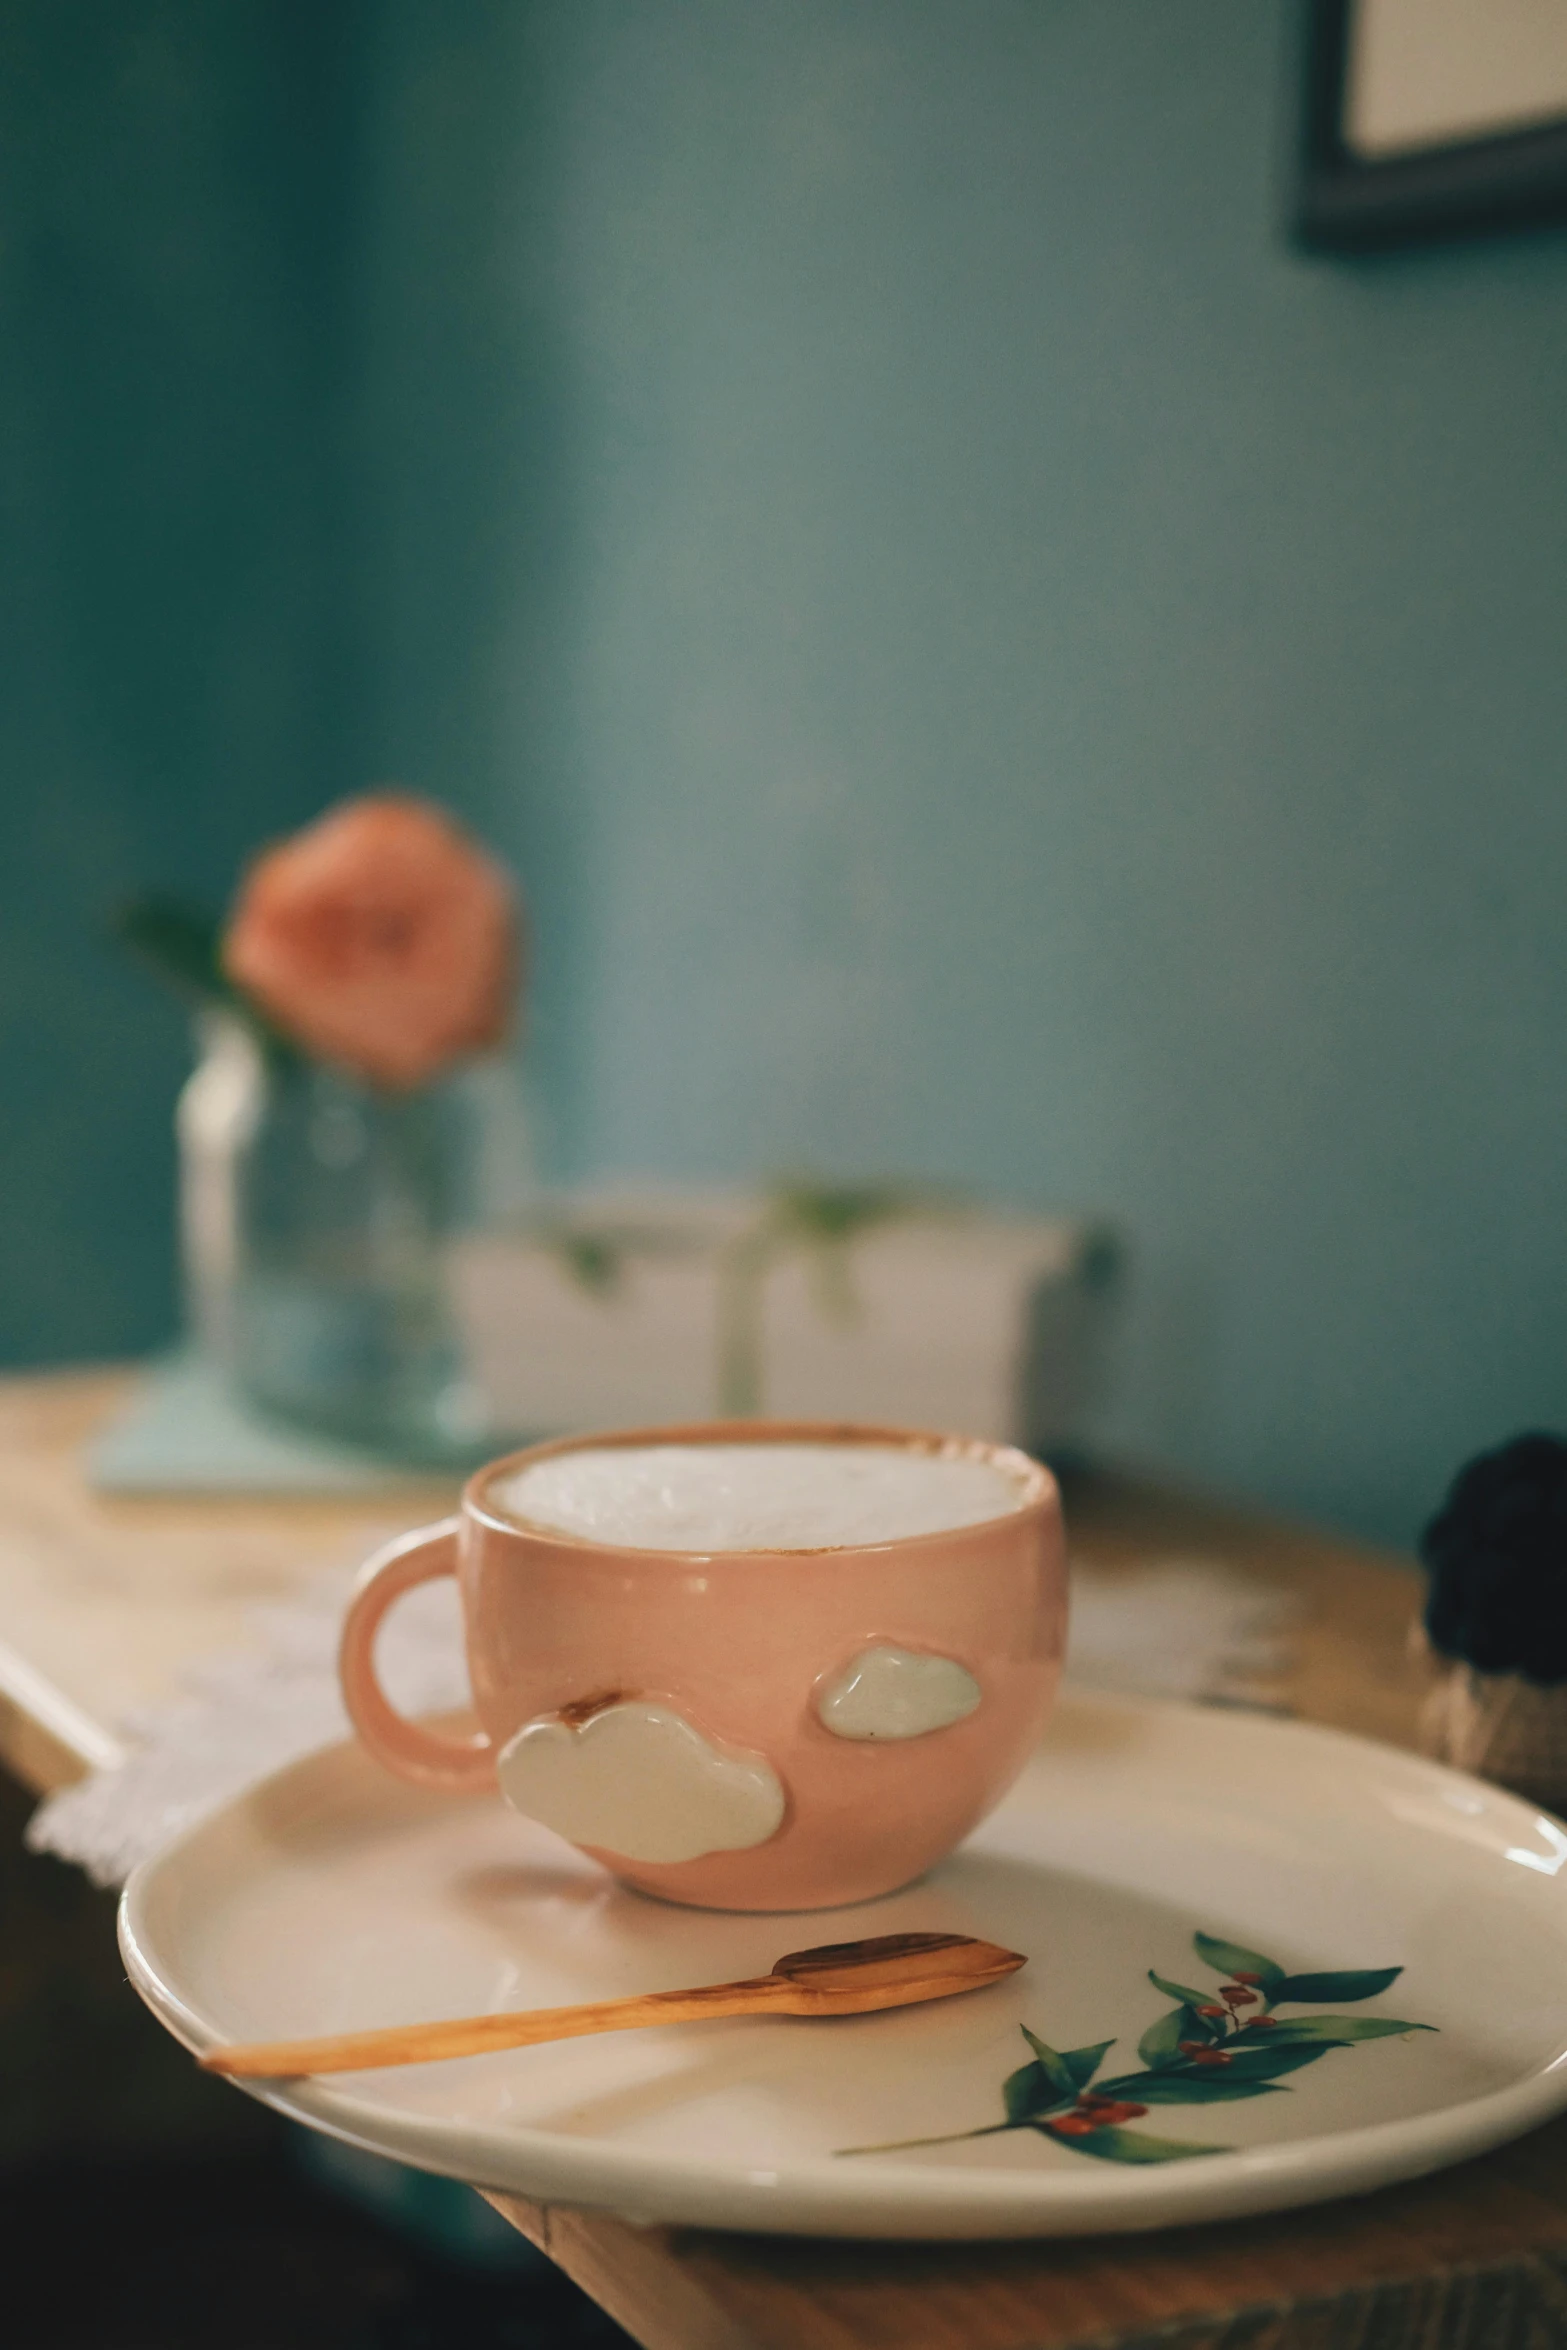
1345, 203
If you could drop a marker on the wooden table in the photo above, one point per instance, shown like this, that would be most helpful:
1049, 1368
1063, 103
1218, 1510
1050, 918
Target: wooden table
102, 1601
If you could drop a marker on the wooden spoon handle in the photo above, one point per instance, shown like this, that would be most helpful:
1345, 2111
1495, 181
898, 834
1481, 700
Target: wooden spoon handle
347, 2052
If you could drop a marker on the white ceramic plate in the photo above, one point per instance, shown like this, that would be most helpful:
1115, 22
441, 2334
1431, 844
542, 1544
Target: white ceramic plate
334, 1896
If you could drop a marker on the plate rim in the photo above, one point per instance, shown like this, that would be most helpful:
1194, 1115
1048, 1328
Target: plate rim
885, 2198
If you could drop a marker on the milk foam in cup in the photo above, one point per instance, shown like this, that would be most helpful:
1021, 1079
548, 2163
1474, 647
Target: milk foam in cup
748, 1497
744, 1665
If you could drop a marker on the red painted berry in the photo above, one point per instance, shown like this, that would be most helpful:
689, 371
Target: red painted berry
1220, 2012
1095, 2113
1233, 1996
1242, 1977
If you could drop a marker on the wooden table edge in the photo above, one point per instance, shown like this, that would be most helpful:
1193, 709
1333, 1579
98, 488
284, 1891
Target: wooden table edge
46, 1740
697, 2289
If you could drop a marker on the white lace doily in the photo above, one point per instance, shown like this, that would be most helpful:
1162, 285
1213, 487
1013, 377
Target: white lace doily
1172, 1628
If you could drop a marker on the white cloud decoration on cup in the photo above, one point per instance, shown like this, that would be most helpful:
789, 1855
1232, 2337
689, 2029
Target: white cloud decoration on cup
637, 1779
887, 1692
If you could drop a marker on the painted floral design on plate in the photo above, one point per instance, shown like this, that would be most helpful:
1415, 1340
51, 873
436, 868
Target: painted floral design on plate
1211, 2048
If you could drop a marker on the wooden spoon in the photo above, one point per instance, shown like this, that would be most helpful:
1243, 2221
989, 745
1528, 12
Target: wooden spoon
840, 1978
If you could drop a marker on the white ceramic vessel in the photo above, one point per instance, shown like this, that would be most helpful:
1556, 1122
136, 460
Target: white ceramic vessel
1145, 1837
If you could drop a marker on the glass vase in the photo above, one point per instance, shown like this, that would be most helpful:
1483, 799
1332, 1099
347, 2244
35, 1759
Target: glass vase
314, 1213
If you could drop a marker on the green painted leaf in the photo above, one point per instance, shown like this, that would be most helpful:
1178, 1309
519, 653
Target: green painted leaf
1246, 2066
1028, 2093
1207, 2088
1083, 2063
1041, 2087
1228, 1958
1161, 2043
1181, 1991
1264, 2060
1052, 2063
1335, 2031
1350, 1983
1117, 2145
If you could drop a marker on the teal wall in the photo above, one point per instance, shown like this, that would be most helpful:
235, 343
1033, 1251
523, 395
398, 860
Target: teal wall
174, 654
992, 667
1057, 692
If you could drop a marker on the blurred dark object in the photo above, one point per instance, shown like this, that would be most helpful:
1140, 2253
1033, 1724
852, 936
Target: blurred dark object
1357, 193
1497, 1612
150, 2208
1496, 1553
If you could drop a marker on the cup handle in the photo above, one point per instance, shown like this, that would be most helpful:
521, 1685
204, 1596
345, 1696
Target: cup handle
413, 1752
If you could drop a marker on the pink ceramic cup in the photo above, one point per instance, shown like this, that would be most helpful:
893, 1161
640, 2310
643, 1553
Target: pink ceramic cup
677, 1661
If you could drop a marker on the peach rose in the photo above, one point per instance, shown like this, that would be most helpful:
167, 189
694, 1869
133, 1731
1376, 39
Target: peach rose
380, 938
